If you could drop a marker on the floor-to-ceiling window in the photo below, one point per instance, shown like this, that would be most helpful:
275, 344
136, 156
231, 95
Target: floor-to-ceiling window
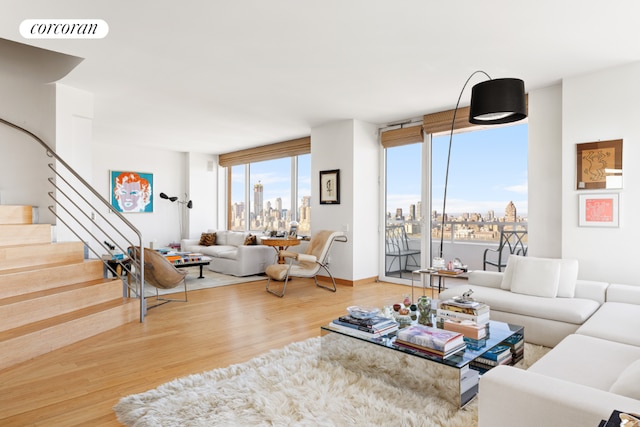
238, 212
487, 191
269, 187
403, 209
303, 182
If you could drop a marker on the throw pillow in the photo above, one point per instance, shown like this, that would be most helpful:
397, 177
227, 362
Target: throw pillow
536, 276
508, 272
236, 238
628, 383
250, 240
568, 277
208, 239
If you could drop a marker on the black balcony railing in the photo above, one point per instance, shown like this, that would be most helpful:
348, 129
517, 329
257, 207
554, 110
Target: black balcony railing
465, 240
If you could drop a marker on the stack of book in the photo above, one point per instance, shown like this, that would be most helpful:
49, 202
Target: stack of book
468, 328
498, 355
374, 327
183, 257
188, 257
516, 343
467, 317
431, 340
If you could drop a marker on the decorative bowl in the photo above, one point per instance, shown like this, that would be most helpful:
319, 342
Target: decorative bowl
360, 312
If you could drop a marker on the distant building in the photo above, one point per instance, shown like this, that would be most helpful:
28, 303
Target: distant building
510, 213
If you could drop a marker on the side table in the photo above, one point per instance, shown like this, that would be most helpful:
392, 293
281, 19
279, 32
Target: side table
280, 244
441, 279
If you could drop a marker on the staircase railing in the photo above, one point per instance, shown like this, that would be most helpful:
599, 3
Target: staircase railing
74, 209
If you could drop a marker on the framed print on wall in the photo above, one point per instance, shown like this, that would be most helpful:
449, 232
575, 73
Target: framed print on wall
330, 187
131, 191
599, 165
599, 210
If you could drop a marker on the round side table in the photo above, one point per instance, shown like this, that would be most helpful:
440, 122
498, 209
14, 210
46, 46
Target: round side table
280, 244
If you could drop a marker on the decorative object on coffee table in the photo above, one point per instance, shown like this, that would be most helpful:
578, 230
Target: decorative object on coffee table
424, 307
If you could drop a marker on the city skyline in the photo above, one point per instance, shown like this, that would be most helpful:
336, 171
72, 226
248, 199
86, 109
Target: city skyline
488, 169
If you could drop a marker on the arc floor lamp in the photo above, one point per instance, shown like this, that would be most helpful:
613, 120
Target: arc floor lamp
493, 102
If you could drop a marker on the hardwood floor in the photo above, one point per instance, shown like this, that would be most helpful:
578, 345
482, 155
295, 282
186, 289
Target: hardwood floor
79, 384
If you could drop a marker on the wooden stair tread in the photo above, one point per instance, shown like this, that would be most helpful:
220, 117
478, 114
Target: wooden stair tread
56, 290
63, 318
37, 267
16, 214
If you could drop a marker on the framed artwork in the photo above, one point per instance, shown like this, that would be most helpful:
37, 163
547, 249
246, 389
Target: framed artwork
330, 187
599, 165
599, 210
131, 191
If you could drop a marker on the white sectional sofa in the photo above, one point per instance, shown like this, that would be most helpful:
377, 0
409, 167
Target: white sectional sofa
591, 371
581, 381
523, 295
230, 254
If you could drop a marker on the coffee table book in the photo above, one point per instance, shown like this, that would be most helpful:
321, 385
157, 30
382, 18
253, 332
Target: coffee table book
468, 307
360, 333
432, 340
467, 328
443, 314
374, 323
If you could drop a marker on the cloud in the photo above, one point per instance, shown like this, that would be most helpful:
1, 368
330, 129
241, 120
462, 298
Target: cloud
519, 188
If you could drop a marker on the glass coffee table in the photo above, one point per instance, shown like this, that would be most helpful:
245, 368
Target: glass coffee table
453, 378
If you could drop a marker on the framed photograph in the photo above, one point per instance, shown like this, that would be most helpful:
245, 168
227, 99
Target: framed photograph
599, 165
599, 210
330, 187
131, 191
293, 231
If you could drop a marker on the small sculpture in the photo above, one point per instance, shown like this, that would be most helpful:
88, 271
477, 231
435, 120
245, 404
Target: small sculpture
424, 308
465, 297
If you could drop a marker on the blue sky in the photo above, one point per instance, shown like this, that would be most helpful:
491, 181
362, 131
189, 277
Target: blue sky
488, 169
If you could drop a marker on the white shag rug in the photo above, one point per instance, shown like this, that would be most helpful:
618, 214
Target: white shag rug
297, 386
211, 280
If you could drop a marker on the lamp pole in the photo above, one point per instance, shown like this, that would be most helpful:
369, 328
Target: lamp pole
446, 175
492, 102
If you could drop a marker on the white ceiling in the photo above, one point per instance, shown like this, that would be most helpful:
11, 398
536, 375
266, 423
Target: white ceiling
220, 75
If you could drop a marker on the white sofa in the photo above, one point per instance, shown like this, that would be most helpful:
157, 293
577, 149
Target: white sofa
594, 329
581, 381
230, 255
524, 295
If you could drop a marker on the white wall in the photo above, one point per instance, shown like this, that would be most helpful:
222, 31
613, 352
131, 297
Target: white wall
366, 201
602, 106
332, 148
28, 100
352, 147
74, 124
202, 182
545, 172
